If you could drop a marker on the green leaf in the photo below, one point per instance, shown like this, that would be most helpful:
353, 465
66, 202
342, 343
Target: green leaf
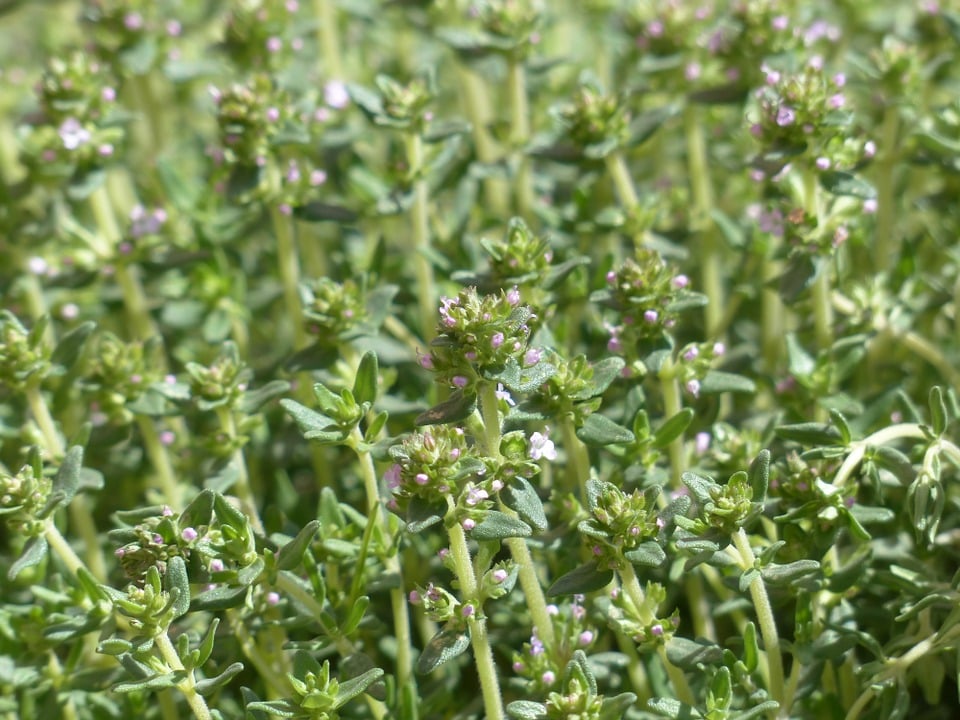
307, 420
747, 578
799, 275
253, 400
700, 487
199, 511
648, 554
366, 381
279, 708
156, 682
67, 480
717, 381
674, 709
454, 409
751, 647
71, 345
316, 211
353, 687
205, 647
599, 430
688, 654
583, 579
291, 554
759, 475
782, 575
844, 183
355, 615
673, 428
604, 373
938, 411
114, 646
177, 581
442, 647
34, 552
522, 497
526, 710
208, 686
497, 525
809, 433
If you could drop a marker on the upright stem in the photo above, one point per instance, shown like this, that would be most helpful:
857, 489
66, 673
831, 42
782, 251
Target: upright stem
476, 102
529, 582
771, 312
188, 685
578, 457
766, 620
80, 513
421, 235
328, 35
616, 164
887, 248
241, 487
289, 266
482, 652
398, 602
127, 275
711, 262
160, 459
672, 404
520, 134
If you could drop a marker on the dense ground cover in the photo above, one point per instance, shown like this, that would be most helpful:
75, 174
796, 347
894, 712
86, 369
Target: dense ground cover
578, 359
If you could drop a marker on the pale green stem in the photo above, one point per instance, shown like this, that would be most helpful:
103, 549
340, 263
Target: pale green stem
482, 652
520, 135
376, 513
632, 587
422, 267
402, 333
127, 275
277, 685
289, 266
61, 547
328, 35
710, 260
188, 685
529, 582
616, 164
241, 488
68, 709
578, 457
81, 515
909, 431
771, 314
672, 404
160, 459
766, 621
476, 102
887, 247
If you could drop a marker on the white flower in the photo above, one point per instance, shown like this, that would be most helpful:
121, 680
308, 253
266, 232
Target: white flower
542, 446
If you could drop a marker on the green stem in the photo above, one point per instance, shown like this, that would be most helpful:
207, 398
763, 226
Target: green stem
476, 104
376, 513
887, 250
81, 515
482, 651
127, 275
289, 266
423, 269
710, 260
529, 582
160, 459
520, 134
277, 685
909, 431
672, 404
328, 35
771, 313
188, 685
632, 587
766, 620
578, 457
241, 487
61, 547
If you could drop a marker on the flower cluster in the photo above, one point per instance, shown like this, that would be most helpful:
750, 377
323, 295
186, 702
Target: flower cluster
595, 121
694, 363
256, 36
522, 258
619, 522
126, 33
120, 373
541, 666
331, 308
155, 537
478, 335
625, 616
249, 116
222, 383
435, 465
23, 356
513, 23
75, 129
22, 498
805, 113
645, 291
